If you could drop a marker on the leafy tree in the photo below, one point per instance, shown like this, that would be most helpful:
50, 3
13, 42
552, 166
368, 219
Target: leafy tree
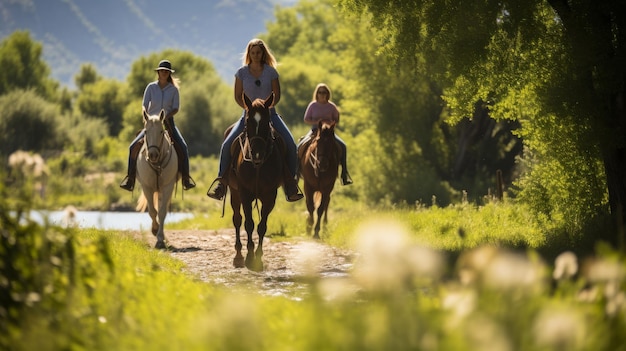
200, 121
387, 115
28, 123
555, 66
188, 67
84, 133
87, 75
105, 99
23, 67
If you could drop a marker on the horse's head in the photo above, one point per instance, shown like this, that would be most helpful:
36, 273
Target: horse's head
326, 128
258, 127
326, 147
155, 134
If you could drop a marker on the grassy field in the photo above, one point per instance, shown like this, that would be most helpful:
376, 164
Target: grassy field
462, 277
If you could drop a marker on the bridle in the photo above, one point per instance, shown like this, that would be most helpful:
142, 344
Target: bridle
161, 160
314, 158
251, 146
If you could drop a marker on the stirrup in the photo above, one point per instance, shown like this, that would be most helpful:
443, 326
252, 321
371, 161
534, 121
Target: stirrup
294, 193
188, 183
294, 197
345, 179
127, 184
218, 192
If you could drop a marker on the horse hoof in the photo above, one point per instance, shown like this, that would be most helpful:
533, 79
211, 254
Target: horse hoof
160, 245
255, 265
250, 261
238, 262
258, 265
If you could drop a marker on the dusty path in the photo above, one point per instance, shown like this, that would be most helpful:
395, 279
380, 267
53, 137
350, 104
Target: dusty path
208, 255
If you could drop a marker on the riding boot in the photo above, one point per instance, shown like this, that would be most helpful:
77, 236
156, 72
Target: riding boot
183, 166
219, 191
292, 191
128, 183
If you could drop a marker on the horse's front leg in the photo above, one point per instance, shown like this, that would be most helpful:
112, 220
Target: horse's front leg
235, 203
164, 200
249, 226
321, 213
309, 193
261, 229
152, 211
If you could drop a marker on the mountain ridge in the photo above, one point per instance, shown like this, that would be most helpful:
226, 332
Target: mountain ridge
112, 34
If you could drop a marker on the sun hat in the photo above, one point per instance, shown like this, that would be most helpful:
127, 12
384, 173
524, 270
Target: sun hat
166, 65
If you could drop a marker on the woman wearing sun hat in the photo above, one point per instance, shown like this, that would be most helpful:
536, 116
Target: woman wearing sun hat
161, 94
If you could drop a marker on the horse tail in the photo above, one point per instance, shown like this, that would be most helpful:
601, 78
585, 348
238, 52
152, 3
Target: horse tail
142, 203
317, 199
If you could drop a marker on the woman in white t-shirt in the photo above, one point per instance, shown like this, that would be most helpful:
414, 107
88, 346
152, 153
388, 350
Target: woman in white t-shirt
322, 108
258, 78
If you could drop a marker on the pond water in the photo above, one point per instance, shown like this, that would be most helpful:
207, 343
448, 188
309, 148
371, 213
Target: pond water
107, 220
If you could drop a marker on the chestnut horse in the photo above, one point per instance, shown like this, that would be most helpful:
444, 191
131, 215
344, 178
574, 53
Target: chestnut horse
257, 174
157, 171
319, 164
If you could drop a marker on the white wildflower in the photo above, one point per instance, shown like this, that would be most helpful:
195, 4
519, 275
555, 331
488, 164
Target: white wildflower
560, 328
565, 266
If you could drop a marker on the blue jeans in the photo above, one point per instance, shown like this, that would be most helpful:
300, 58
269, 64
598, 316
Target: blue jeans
281, 128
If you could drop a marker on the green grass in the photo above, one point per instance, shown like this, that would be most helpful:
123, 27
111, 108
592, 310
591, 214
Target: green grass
131, 297
462, 277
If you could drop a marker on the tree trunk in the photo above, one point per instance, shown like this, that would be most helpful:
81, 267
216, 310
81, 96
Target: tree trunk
615, 169
596, 33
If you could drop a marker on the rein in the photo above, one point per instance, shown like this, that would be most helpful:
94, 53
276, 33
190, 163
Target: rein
246, 150
161, 162
313, 158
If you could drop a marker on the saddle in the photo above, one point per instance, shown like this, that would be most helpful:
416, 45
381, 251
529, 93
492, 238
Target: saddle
235, 147
303, 147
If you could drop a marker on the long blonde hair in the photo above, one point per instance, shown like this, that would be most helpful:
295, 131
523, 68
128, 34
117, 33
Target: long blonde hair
268, 58
174, 80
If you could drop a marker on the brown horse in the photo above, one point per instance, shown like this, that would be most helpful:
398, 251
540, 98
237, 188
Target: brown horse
256, 175
319, 164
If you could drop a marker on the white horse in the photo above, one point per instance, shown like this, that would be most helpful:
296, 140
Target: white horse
157, 171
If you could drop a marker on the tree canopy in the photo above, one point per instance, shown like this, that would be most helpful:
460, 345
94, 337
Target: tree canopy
555, 66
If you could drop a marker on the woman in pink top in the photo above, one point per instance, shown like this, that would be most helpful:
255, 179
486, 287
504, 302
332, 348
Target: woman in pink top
319, 109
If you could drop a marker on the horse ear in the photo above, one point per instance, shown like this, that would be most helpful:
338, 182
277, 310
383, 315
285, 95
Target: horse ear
246, 101
269, 100
162, 115
145, 115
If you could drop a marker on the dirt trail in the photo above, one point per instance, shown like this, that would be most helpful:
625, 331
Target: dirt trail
208, 255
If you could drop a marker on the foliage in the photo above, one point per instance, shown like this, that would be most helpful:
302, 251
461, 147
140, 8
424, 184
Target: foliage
204, 117
29, 123
23, 66
403, 293
103, 99
88, 74
42, 269
553, 66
